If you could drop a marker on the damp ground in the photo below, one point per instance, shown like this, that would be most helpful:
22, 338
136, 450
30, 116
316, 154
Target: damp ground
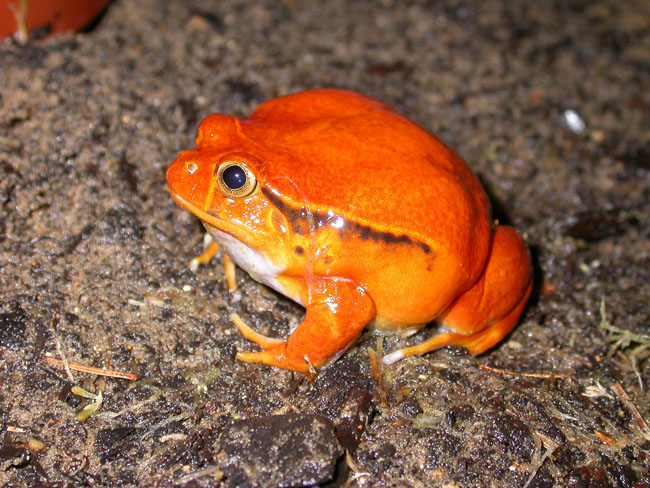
548, 104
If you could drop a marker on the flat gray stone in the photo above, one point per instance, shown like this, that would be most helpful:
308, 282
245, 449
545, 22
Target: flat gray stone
278, 450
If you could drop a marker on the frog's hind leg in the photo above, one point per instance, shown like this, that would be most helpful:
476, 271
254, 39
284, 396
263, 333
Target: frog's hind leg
488, 311
475, 343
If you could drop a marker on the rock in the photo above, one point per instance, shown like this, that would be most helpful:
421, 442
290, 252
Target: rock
278, 451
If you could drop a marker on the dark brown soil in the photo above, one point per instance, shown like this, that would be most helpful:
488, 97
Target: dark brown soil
93, 252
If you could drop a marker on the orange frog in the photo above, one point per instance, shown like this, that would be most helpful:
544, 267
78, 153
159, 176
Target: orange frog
362, 216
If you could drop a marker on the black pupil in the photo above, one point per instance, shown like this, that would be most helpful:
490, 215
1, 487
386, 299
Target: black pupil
234, 177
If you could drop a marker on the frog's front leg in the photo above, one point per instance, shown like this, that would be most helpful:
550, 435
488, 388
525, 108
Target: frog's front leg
337, 312
211, 250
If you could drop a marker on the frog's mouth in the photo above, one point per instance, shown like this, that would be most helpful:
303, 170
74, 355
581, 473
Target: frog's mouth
236, 231
238, 243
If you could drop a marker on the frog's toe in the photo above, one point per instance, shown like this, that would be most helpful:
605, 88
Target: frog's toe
211, 250
277, 357
261, 340
275, 351
263, 357
437, 341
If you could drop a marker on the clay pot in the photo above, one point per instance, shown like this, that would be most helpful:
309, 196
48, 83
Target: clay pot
48, 16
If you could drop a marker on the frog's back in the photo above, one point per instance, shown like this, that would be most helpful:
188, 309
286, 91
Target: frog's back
359, 158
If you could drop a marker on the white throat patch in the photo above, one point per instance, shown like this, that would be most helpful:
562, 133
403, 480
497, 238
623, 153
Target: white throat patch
253, 262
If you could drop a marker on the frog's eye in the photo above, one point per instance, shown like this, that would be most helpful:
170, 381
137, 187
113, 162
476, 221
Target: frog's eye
235, 180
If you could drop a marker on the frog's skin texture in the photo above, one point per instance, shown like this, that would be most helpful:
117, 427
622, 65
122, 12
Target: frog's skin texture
361, 216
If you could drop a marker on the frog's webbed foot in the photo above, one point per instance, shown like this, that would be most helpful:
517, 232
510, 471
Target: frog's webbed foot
278, 358
338, 313
274, 353
210, 252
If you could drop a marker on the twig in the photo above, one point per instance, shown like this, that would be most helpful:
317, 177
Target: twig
604, 438
638, 420
548, 442
525, 375
375, 367
91, 370
550, 446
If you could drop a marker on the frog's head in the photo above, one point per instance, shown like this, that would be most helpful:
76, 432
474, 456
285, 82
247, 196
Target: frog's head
221, 181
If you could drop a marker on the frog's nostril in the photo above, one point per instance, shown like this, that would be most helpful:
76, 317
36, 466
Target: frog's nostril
191, 167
